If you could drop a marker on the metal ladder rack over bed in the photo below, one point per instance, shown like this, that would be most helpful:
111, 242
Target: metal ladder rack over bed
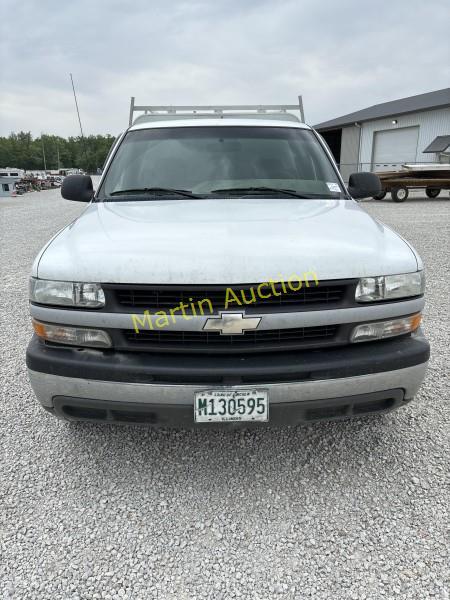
261, 111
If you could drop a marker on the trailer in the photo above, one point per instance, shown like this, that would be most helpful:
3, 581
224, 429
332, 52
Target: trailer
430, 178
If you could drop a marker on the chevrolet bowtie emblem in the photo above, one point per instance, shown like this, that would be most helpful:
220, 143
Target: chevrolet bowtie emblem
231, 323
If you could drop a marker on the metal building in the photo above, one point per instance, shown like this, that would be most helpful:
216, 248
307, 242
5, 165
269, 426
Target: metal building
385, 136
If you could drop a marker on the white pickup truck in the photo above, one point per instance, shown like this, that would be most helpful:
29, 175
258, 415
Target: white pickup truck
223, 273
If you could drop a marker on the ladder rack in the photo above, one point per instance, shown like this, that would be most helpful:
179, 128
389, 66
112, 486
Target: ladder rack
185, 112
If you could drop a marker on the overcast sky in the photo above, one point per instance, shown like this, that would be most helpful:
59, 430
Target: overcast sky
341, 55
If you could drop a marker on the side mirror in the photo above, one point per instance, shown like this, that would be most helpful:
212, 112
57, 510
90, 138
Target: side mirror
364, 185
78, 188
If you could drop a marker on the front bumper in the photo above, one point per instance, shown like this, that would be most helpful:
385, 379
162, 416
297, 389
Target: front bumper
181, 415
159, 389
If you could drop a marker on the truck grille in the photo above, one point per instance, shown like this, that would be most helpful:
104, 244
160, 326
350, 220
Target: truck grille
210, 341
154, 297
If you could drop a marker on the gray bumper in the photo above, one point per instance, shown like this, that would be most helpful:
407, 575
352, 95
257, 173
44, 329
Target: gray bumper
74, 382
47, 386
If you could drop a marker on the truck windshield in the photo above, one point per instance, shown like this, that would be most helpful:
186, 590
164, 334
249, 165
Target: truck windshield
209, 162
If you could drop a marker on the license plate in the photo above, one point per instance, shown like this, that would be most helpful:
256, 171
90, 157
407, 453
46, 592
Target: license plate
212, 406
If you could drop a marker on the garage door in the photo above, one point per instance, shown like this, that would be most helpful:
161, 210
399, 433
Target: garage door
394, 147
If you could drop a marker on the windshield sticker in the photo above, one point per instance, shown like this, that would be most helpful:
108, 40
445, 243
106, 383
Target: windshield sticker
333, 187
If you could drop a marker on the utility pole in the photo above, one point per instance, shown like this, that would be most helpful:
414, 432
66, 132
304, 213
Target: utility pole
43, 151
57, 154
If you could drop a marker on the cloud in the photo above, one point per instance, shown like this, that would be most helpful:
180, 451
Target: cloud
341, 56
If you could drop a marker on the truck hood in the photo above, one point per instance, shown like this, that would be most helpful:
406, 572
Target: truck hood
225, 241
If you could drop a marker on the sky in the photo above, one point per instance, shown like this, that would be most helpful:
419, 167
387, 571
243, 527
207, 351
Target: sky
341, 55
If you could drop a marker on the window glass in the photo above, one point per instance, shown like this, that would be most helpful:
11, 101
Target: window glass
204, 159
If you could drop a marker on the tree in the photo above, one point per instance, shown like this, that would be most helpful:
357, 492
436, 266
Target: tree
21, 151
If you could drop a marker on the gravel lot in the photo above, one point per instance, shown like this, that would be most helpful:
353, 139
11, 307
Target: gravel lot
347, 510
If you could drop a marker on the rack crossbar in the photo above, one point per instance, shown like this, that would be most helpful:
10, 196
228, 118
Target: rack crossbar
215, 109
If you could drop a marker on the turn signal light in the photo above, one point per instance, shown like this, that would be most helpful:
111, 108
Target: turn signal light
72, 336
385, 329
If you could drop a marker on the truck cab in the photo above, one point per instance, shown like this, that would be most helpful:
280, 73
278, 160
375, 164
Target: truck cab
222, 273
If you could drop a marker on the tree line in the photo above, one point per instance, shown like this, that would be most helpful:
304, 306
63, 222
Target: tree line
22, 151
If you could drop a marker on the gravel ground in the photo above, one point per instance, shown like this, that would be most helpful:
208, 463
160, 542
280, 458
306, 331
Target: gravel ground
355, 509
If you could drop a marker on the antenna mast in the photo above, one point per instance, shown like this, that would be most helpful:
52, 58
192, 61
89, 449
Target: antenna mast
76, 105
79, 118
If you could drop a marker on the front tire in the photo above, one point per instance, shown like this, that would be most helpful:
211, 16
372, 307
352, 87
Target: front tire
399, 194
380, 196
432, 192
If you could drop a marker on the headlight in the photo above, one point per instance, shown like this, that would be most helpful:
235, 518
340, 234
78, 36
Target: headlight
73, 336
66, 293
385, 329
390, 287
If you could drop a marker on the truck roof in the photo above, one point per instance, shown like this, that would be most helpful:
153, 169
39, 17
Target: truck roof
217, 122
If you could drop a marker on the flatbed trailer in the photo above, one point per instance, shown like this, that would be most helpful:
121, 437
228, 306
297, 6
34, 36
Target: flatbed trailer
398, 183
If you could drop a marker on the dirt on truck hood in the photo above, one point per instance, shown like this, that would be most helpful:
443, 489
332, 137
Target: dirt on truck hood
223, 241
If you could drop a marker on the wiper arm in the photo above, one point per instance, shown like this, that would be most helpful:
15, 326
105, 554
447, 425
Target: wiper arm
245, 190
155, 190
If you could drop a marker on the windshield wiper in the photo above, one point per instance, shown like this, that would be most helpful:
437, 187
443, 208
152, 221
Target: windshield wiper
251, 190
155, 190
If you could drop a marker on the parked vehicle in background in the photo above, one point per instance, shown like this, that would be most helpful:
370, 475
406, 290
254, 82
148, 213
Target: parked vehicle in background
223, 273
55, 181
71, 171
